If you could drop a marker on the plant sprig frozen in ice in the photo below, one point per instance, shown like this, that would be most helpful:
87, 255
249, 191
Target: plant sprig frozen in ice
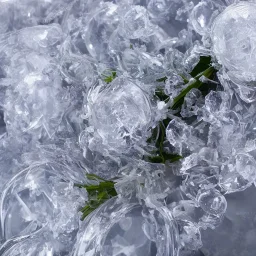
148, 107
99, 191
104, 189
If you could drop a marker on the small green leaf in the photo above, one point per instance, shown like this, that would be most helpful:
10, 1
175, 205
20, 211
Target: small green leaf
202, 65
97, 193
110, 78
163, 79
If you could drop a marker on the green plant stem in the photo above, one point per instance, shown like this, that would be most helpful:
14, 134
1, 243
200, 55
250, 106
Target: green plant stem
178, 101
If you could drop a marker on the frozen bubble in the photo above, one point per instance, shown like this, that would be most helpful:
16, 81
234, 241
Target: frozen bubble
120, 113
41, 38
78, 70
136, 24
150, 231
98, 30
37, 104
233, 37
201, 17
40, 198
212, 202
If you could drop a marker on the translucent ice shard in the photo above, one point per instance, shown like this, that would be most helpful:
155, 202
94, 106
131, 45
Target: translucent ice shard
77, 70
41, 37
33, 103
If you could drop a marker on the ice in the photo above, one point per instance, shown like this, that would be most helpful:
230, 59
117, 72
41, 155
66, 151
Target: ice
192, 103
98, 30
232, 44
120, 114
5, 18
141, 238
77, 70
33, 198
27, 13
240, 222
212, 202
41, 37
87, 87
35, 93
135, 23
183, 137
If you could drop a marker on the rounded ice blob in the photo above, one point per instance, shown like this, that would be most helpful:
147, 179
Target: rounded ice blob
121, 113
147, 231
212, 202
234, 37
41, 197
201, 17
136, 24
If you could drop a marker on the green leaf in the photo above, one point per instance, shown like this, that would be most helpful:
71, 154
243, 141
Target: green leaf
202, 65
97, 193
110, 78
161, 95
163, 79
160, 156
203, 68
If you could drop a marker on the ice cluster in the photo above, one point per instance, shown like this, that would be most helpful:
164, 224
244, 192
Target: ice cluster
91, 87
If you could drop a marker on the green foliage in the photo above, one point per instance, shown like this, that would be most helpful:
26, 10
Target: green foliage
109, 78
203, 68
159, 137
163, 79
203, 64
99, 191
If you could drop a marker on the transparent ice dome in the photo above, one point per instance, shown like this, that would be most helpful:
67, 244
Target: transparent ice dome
233, 36
120, 113
123, 228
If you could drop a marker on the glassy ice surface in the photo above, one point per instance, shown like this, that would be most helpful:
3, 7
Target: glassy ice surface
129, 229
40, 199
120, 114
83, 83
233, 37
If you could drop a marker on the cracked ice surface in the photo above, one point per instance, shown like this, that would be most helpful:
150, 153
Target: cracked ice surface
82, 85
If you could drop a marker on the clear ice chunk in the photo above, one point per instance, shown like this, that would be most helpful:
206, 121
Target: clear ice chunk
233, 37
39, 198
120, 114
212, 202
136, 24
201, 17
149, 231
